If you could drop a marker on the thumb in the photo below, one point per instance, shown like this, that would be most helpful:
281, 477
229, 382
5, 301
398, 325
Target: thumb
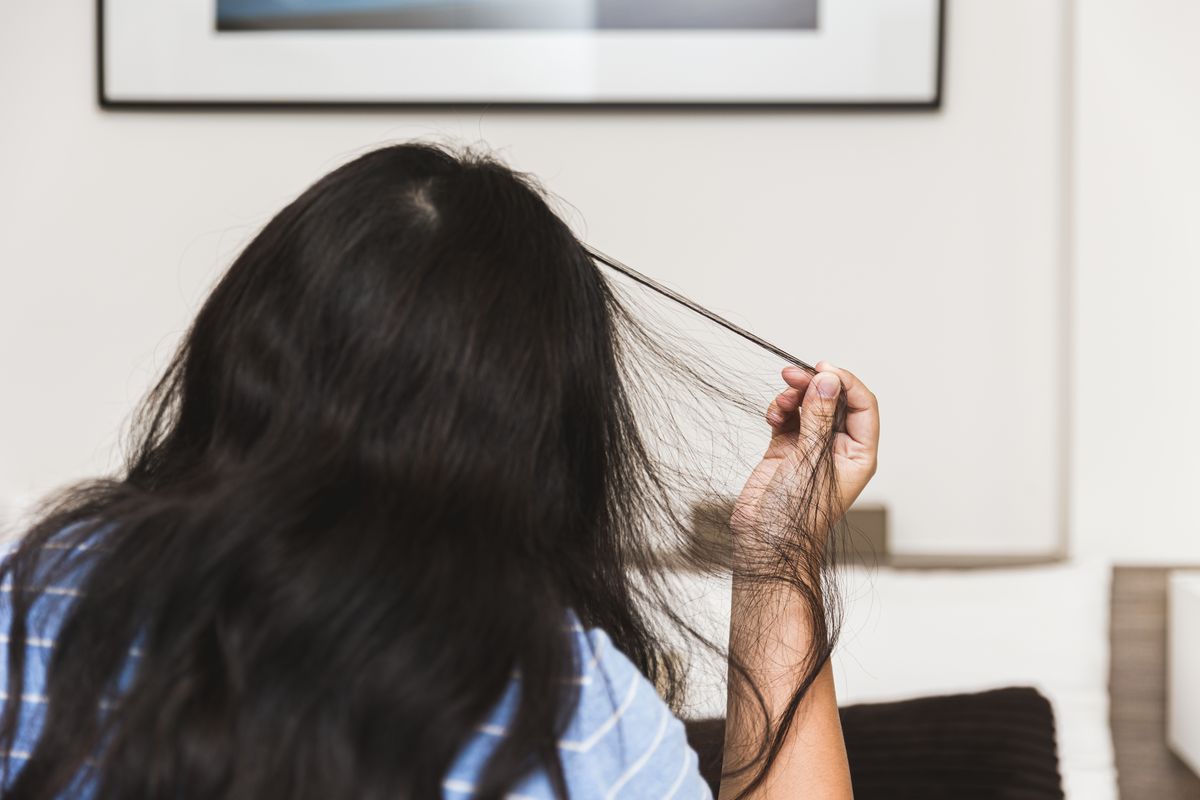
818, 409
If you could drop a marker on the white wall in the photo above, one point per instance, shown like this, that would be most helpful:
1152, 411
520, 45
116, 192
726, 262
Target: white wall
923, 251
1136, 234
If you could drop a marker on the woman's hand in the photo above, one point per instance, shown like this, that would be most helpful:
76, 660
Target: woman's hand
771, 625
800, 418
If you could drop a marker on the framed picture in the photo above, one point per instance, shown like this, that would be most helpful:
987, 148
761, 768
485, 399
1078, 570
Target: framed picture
825, 53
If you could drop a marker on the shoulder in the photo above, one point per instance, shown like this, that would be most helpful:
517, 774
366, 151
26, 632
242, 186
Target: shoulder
52, 574
53, 579
621, 741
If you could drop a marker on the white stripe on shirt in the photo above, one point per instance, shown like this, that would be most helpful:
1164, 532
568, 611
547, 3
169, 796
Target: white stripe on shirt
664, 717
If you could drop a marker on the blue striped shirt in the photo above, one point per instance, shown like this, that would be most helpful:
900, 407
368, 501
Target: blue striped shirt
622, 741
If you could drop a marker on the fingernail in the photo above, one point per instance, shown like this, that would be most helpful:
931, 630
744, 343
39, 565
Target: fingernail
794, 372
828, 385
774, 417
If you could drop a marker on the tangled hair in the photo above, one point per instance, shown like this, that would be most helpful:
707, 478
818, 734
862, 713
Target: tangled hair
403, 438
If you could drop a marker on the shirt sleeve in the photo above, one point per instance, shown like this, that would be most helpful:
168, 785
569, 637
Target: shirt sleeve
623, 740
38, 643
43, 621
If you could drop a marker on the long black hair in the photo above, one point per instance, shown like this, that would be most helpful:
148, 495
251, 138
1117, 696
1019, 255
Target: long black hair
398, 444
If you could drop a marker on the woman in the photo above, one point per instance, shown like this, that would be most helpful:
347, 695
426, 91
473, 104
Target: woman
385, 531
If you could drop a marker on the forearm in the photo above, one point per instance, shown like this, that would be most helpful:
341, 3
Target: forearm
770, 636
772, 628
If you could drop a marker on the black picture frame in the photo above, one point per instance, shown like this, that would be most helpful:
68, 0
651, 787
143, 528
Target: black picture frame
108, 103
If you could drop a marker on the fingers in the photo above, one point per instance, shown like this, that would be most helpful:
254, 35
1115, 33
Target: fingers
819, 405
781, 414
788, 401
862, 412
862, 408
796, 378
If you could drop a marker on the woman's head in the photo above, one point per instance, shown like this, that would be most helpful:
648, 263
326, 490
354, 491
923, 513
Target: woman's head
398, 443
415, 317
